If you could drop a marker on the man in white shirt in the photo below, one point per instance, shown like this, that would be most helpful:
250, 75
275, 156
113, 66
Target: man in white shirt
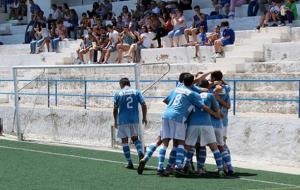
113, 36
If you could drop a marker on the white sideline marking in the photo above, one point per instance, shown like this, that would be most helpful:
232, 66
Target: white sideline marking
117, 162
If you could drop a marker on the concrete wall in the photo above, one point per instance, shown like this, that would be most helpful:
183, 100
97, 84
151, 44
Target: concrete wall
255, 138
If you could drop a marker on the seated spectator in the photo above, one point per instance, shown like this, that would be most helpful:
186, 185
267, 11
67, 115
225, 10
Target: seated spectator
60, 33
154, 7
37, 41
106, 8
127, 38
113, 36
185, 4
103, 42
179, 23
95, 10
144, 41
233, 5
202, 38
228, 38
215, 35
273, 15
89, 44
125, 15
253, 8
199, 20
85, 23
289, 12
161, 27
22, 9
13, 14
29, 31
55, 15
221, 7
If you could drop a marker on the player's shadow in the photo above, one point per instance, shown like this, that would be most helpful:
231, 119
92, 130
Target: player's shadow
214, 175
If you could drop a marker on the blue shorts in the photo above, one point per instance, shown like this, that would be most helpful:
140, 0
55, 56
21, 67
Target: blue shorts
226, 42
176, 33
112, 48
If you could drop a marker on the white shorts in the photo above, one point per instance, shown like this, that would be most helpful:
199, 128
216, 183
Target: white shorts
219, 136
225, 132
128, 131
203, 134
171, 129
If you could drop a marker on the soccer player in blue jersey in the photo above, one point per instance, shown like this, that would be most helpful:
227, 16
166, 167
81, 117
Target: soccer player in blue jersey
126, 117
200, 129
181, 102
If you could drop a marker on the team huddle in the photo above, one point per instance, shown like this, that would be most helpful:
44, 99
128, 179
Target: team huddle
196, 116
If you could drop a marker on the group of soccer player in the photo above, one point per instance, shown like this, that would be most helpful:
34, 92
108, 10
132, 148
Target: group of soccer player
196, 116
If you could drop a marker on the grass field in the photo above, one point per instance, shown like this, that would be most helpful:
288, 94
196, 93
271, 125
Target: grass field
31, 166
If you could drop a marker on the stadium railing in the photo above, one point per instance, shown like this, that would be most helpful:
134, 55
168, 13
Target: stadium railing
86, 94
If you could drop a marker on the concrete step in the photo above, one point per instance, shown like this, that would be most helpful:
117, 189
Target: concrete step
274, 67
4, 99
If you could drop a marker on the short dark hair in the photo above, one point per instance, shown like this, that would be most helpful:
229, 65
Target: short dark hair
197, 7
109, 26
124, 82
224, 23
217, 75
181, 76
188, 79
204, 83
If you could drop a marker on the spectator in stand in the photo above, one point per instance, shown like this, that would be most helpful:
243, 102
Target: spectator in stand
221, 7
154, 7
60, 33
113, 36
13, 14
143, 42
163, 7
103, 41
185, 4
160, 27
202, 40
107, 8
90, 42
125, 15
199, 20
48, 35
85, 23
179, 23
29, 31
233, 5
272, 15
55, 15
215, 35
127, 38
22, 9
95, 10
66, 11
38, 39
289, 12
73, 20
253, 8
228, 38
139, 12
34, 8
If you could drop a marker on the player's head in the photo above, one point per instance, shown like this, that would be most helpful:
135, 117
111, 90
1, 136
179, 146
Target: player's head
204, 84
124, 82
188, 79
216, 76
181, 76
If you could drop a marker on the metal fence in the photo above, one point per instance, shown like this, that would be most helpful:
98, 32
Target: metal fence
85, 95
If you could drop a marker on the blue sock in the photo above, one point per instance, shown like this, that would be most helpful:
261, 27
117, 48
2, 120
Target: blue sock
172, 157
201, 157
150, 151
189, 157
219, 160
226, 148
227, 160
179, 156
161, 158
126, 151
139, 147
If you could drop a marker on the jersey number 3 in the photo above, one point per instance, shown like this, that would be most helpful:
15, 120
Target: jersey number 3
129, 101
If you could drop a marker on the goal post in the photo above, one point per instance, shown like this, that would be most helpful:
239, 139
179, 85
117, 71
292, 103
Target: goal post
17, 89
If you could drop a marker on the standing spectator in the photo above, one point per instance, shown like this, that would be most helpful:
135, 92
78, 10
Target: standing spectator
289, 12
228, 38
34, 8
126, 39
113, 36
199, 20
179, 23
73, 20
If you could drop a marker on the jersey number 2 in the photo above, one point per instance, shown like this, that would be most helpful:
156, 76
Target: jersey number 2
129, 100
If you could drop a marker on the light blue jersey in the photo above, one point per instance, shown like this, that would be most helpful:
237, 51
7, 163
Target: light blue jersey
200, 117
217, 123
181, 102
127, 101
193, 88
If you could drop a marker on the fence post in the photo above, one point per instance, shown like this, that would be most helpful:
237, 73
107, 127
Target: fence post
17, 114
55, 92
85, 94
234, 97
1, 127
48, 85
299, 101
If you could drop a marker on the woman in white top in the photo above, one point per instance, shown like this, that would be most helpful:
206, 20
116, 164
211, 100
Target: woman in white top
178, 21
